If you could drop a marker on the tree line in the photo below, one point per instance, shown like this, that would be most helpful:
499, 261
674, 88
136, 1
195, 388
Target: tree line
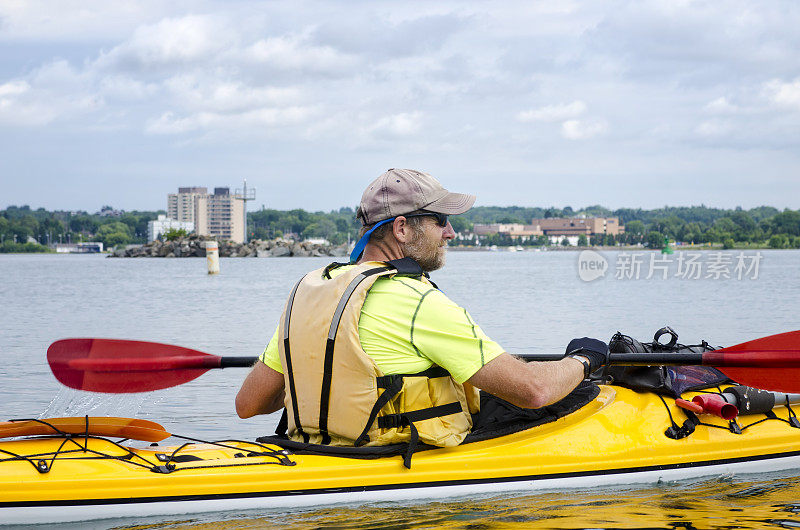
23, 229
20, 226
759, 226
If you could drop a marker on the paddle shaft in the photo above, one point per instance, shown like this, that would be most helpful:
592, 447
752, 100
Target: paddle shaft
205, 362
754, 358
237, 362
154, 364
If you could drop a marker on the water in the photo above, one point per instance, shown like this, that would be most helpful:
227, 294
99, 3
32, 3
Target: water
527, 301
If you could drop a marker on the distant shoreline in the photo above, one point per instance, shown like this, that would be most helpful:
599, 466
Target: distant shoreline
299, 251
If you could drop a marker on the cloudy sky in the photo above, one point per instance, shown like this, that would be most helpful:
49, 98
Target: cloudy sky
625, 104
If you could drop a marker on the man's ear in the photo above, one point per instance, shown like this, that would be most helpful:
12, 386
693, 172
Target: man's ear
401, 229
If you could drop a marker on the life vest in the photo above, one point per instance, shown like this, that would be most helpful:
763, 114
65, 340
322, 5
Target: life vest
337, 395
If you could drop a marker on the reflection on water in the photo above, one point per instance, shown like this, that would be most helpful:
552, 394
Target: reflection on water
717, 503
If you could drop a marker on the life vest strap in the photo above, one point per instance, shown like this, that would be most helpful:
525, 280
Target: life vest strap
289, 372
394, 388
404, 419
385, 381
394, 421
283, 424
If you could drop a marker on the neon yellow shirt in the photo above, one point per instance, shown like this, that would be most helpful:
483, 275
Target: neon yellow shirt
407, 326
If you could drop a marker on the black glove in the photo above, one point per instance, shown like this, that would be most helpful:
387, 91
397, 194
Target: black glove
593, 349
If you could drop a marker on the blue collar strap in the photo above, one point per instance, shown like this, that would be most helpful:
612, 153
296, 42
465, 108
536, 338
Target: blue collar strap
359, 248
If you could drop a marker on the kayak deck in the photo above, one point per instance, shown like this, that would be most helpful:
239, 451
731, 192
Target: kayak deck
617, 438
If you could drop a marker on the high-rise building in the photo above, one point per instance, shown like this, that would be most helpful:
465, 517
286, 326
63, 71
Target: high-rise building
182, 206
224, 215
220, 214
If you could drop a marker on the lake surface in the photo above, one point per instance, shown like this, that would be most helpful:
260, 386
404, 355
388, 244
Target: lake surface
527, 301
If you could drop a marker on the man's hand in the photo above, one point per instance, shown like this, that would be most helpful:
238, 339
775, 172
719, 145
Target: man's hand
594, 350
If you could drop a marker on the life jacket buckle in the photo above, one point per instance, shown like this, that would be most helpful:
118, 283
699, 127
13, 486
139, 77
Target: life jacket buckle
389, 381
392, 421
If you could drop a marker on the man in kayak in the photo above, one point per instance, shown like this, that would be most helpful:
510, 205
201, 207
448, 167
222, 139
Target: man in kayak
372, 352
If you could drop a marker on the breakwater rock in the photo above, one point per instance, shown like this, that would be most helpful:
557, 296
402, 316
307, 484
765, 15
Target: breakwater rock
195, 246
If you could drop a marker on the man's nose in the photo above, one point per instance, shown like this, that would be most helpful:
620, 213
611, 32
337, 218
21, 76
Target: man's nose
448, 232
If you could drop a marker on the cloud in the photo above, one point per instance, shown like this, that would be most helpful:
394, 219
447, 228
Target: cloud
77, 20
296, 52
17, 109
170, 42
381, 37
694, 44
195, 91
53, 91
721, 105
265, 118
785, 94
399, 125
583, 129
714, 128
126, 88
553, 112
14, 88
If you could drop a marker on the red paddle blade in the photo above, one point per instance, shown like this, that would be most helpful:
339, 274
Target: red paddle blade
771, 363
125, 366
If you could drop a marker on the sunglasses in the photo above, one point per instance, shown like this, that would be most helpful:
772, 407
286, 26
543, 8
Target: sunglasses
441, 218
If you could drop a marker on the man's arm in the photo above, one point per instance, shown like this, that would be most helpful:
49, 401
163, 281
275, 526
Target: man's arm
261, 392
528, 385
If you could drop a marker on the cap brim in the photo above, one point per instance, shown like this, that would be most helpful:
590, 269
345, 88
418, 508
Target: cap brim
451, 204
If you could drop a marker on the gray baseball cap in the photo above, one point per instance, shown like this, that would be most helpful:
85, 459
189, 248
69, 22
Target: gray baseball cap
402, 191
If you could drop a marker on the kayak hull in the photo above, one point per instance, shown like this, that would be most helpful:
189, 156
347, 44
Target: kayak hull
617, 439
74, 511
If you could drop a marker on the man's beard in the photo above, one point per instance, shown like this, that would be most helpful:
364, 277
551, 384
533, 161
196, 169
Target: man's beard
427, 251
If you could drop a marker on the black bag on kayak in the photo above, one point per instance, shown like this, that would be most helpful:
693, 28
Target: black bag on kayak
669, 380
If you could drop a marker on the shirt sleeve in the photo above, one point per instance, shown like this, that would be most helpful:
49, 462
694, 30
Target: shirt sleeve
445, 333
271, 356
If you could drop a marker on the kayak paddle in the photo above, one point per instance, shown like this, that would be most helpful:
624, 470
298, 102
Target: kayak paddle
123, 366
131, 428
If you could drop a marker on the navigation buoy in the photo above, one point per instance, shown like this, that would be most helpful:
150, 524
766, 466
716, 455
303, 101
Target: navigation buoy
212, 257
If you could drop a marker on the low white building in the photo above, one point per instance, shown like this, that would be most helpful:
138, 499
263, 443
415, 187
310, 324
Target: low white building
557, 240
163, 224
86, 247
317, 241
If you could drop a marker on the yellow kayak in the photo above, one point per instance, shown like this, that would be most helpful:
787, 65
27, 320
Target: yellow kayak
86, 473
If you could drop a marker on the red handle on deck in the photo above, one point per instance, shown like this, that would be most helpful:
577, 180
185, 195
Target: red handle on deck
688, 405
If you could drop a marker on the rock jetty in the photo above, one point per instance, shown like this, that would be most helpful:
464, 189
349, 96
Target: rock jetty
195, 246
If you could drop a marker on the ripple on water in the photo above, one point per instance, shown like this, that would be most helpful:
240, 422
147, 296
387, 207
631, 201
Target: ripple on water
712, 503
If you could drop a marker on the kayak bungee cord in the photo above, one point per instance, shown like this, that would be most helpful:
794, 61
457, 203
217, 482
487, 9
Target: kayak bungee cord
43, 462
281, 455
677, 432
42, 466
